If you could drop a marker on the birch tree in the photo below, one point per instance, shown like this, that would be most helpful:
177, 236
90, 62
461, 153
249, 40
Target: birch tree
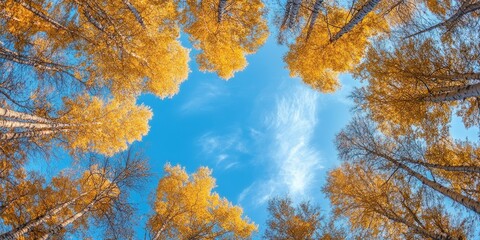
69, 203
225, 32
186, 208
85, 124
456, 179
389, 205
420, 84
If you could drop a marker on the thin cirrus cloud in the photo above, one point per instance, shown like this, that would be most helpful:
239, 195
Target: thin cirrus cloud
293, 160
223, 149
202, 98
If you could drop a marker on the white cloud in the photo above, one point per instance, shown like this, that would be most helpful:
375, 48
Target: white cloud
203, 97
223, 149
293, 162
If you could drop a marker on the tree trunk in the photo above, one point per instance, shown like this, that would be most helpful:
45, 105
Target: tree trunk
23, 116
32, 61
455, 93
357, 18
314, 16
135, 12
55, 230
221, 9
294, 13
286, 15
27, 227
31, 134
29, 125
455, 196
461, 168
464, 9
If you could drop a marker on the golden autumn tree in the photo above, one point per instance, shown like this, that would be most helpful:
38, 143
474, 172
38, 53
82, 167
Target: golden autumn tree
85, 124
420, 84
225, 32
425, 163
303, 221
318, 60
388, 205
129, 47
69, 203
186, 208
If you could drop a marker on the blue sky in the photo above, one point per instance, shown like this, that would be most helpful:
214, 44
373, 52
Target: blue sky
262, 133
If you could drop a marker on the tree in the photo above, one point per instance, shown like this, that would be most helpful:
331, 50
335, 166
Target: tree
390, 207
456, 179
70, 203
85, 124
420, 84
225, 32
186, 208
127, 47
304, 221
318, 61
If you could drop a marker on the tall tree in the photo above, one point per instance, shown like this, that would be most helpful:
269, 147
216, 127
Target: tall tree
69, 203
390, 207
85, 124
303, 221
225, 36
420, 84
186, 208
318, 61
457, 179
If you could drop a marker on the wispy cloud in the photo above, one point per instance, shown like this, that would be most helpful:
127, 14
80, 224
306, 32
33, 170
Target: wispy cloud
223, 149
293, 162
203, 97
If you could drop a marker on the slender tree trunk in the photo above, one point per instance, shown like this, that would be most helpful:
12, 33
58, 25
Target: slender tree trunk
286, 15
455, 196
55, 230
357, 18
221, 9
6, 113
27, 227
15, 124
471, 169
455, 93
294, 13
314, 16
32, 61
135, 12
415, 228
464, 9
30, 134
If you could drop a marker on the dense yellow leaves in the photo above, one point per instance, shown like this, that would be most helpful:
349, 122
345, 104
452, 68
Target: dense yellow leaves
318, 61
103, 127
224, 44
389, 206
186, 208
401, 79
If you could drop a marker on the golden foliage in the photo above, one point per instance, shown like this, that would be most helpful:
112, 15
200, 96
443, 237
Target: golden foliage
185, 208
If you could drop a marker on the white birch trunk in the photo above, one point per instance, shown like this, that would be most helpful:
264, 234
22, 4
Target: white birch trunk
18, 115
135, 12
69, 221
455, 196
286, 15
294, 13
464, 9
313, 18
357, 18
462, 168
27, 227
29, 125
221, 9
31, 134
455, 93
